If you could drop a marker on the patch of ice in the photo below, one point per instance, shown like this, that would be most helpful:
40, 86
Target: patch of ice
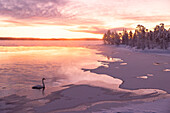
156, 63
106, 66
167, 70
149, 75
117, 60
117, 67
122, 64
165, 63
143, 77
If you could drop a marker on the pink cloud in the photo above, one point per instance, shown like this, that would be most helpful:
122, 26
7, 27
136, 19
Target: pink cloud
16, 23
97, 30
81, 12
23, 9
146, 18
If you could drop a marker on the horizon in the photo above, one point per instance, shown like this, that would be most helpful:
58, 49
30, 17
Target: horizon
74, 19
33, 38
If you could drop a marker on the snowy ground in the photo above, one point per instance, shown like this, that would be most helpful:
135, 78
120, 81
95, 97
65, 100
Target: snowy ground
139, 69
159, 106
145, 70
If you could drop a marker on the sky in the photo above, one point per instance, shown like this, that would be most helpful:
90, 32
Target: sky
78, 18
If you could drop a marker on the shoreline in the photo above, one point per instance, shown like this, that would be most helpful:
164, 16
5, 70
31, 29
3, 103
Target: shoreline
155, 62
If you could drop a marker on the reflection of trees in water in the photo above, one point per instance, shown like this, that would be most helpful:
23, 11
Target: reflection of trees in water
141, 38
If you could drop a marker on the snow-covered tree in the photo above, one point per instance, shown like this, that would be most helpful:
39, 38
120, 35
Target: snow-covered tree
108, 37
130, 38
125, 37
117, 38
105, 38
134, 39
141, 38
112, 38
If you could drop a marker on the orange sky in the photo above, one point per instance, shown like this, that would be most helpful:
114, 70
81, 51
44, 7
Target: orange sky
78, 18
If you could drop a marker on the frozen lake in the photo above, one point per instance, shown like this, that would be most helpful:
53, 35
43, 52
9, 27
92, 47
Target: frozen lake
70, 83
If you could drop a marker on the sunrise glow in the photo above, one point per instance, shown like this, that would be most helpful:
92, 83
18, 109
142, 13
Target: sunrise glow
78, 18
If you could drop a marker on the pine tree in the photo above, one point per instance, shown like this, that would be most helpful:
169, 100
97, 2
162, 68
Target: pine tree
160, 37
130, 38
105, 38
108, 37
134, 39
112, 38
124, 37
147, 39
117, 39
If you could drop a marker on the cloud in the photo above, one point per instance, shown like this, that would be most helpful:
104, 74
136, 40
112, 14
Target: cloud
97, 30
44, 12
16, 23
167, 26
79, 12
25, 9
146, 18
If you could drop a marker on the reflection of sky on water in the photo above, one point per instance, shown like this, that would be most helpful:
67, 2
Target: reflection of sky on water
23, 67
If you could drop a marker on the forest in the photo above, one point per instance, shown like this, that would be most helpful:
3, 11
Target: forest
142, 38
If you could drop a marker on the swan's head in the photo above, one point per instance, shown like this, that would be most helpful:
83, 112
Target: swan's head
43, 79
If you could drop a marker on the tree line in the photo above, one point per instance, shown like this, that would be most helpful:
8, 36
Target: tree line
142, 38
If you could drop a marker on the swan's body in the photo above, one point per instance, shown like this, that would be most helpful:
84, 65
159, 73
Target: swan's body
40, 86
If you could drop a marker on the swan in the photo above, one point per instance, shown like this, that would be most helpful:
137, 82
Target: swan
40, 86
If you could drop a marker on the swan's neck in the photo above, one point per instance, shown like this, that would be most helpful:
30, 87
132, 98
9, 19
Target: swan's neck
43, 83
